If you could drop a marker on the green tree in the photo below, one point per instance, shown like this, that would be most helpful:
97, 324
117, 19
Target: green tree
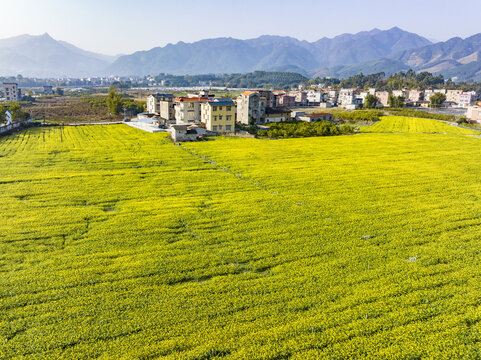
437, 99
370, 101
114, 101
59, 91
396, 101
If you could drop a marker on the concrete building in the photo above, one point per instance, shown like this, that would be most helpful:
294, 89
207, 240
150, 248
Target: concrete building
467, 98
12, 92
333, 96
316, 117
188, 109
161, 105
314, 98
300, 96
218, 115
383, 97
251, 108
452, 96
48, 90
415, 96
186, 132
286, 101
474, 113
277, 115
346, 97
404, 93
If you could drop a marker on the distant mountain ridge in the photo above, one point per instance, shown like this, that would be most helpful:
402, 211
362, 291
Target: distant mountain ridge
42, 56
371, 51
267, 52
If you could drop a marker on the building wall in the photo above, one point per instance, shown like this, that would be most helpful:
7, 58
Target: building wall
188, 110
12, 92
219, 118
251, 105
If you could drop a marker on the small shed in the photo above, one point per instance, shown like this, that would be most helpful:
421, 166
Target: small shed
316, 117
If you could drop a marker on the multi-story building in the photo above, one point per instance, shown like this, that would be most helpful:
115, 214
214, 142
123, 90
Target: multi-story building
474, 113
415, 96
333, 96
314, 98
452, 96
269, 96
404, 93
346, 97
427, 94
219, 115
12, 92
188, 109
251, 108
383, 97
286, 101
161, 105
300, 96
467, 98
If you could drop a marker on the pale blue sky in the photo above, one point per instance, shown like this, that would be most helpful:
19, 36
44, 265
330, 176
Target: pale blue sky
125, 26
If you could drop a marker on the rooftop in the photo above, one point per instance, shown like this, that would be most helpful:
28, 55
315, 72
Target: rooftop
163, 95
191, 99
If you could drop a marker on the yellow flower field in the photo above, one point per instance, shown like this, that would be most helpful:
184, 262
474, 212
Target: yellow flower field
416, 125
116, 244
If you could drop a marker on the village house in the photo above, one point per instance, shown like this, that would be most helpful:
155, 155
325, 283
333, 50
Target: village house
12, 92
300, 97
316, 117
188, 109
218, 115
474, 113
383, 98
48, 90
251, 108
333, 96
415, 96
314, 97
346, 97
277, 115
161, 105
286, 101
467, 98
186, 132
403, 93
452, 96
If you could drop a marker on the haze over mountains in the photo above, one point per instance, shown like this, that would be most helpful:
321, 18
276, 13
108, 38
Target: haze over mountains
348, 54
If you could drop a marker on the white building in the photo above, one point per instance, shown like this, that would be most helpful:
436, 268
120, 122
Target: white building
467, 98
12, 92
161, 105
251, 108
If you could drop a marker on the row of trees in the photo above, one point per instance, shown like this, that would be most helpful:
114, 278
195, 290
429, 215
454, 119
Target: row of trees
256, 79
304, 129
397, 81
116, 103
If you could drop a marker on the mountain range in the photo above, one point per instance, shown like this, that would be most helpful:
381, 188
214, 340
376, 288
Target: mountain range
372, 51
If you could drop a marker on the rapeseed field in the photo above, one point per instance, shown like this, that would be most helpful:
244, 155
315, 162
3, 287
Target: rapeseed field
117, 244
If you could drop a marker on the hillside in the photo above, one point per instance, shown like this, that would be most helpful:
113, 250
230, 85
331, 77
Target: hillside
227, 55
43, 56
117, 244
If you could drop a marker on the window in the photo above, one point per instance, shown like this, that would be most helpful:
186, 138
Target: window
227, 128
214, 108
220, 117
215, 118
228, 108
220, 107
220, 127
214, 128
228, 117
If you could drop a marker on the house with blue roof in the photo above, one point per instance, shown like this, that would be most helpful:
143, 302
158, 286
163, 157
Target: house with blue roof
162, 105
218, 115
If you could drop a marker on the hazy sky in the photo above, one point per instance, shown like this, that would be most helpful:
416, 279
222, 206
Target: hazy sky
125, 26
